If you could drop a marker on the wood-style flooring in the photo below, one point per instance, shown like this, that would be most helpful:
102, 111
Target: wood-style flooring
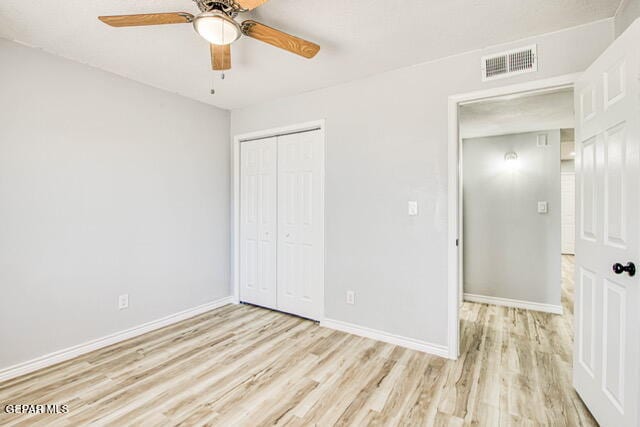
242, 365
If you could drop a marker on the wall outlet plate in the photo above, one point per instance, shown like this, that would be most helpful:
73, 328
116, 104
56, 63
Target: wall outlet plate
413, 207
542, 140
123, 301
543, 207
351, 297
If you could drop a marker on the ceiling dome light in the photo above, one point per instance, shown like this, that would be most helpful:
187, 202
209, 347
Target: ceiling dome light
511, 161
217, 28
510, 157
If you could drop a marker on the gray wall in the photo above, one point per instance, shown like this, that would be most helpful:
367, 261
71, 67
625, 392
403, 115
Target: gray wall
510, 250
629, 12
107, 186
387, 144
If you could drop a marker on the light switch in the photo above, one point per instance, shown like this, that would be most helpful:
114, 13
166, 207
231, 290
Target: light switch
542, 141
543, 207
413, 208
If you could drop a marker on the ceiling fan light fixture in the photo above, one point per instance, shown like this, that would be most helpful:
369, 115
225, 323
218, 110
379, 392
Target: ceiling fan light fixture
217, 28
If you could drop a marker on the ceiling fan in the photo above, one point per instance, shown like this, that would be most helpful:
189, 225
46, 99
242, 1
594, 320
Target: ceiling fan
216, 23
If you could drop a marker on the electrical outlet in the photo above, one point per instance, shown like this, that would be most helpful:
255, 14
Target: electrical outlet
413, 208
542, 141
351, 297
123, 301
543, 207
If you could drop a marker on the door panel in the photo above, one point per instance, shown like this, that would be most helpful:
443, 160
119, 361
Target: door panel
300, 224
258, 223
588, 190
607, 342
614, 84
614, 212
586, 323
613, 364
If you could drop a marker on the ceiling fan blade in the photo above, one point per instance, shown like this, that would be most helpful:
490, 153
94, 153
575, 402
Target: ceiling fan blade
279, 39
147, 19
250, 4
221, 57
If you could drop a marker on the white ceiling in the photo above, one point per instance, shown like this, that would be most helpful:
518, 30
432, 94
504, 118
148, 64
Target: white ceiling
358, 38
518, 113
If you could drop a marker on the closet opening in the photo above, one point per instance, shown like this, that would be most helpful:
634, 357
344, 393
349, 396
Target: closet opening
278, 219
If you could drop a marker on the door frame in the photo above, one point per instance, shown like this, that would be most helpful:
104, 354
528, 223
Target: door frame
455, 232
574, 216
235, 197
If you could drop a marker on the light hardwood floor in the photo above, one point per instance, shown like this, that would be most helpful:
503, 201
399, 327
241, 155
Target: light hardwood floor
242, 365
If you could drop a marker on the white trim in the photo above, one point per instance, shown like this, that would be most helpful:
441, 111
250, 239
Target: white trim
96, 344
453, 251
515, 303
621, 6
235, 196
530, 86
282, 130
411, 343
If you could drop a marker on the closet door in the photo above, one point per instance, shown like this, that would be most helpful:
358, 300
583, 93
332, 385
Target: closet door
258, 224
300, 224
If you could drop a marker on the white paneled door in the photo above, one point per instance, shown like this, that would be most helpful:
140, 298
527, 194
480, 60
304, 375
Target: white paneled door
282, 223
300, 224
568, 214
258, 221
607, 303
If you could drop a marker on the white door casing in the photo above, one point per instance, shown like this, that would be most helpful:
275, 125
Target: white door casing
258, 221
568, 210
300, 275
607, 337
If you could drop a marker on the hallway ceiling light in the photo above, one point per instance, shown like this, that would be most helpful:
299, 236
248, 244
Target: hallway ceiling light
510, 157
511, 161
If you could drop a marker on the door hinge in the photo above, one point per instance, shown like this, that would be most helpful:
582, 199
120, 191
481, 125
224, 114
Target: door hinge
457, 242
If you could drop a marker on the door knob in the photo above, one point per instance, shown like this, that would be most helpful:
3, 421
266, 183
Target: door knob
629, 268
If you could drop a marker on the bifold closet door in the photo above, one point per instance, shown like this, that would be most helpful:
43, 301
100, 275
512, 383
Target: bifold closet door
300, 274
258, 221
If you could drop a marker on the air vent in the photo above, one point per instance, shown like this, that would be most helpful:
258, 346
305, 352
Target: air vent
509, 63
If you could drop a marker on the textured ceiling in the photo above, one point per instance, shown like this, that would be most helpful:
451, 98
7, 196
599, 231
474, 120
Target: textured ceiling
358, 38
518, 113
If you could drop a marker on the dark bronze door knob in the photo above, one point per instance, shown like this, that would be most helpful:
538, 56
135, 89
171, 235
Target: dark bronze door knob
629, 268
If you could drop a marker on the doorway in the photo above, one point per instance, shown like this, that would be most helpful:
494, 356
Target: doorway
455, 180
605, 366
511, 185
512, 270
279, 219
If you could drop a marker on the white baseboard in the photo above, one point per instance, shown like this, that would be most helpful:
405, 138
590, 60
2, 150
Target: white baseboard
413, 344
506, 302
89, 346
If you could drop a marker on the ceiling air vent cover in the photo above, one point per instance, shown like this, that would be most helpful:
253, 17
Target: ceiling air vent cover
509, 63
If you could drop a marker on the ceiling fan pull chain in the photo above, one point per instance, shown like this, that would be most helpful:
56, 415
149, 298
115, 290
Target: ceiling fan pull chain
213, 82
